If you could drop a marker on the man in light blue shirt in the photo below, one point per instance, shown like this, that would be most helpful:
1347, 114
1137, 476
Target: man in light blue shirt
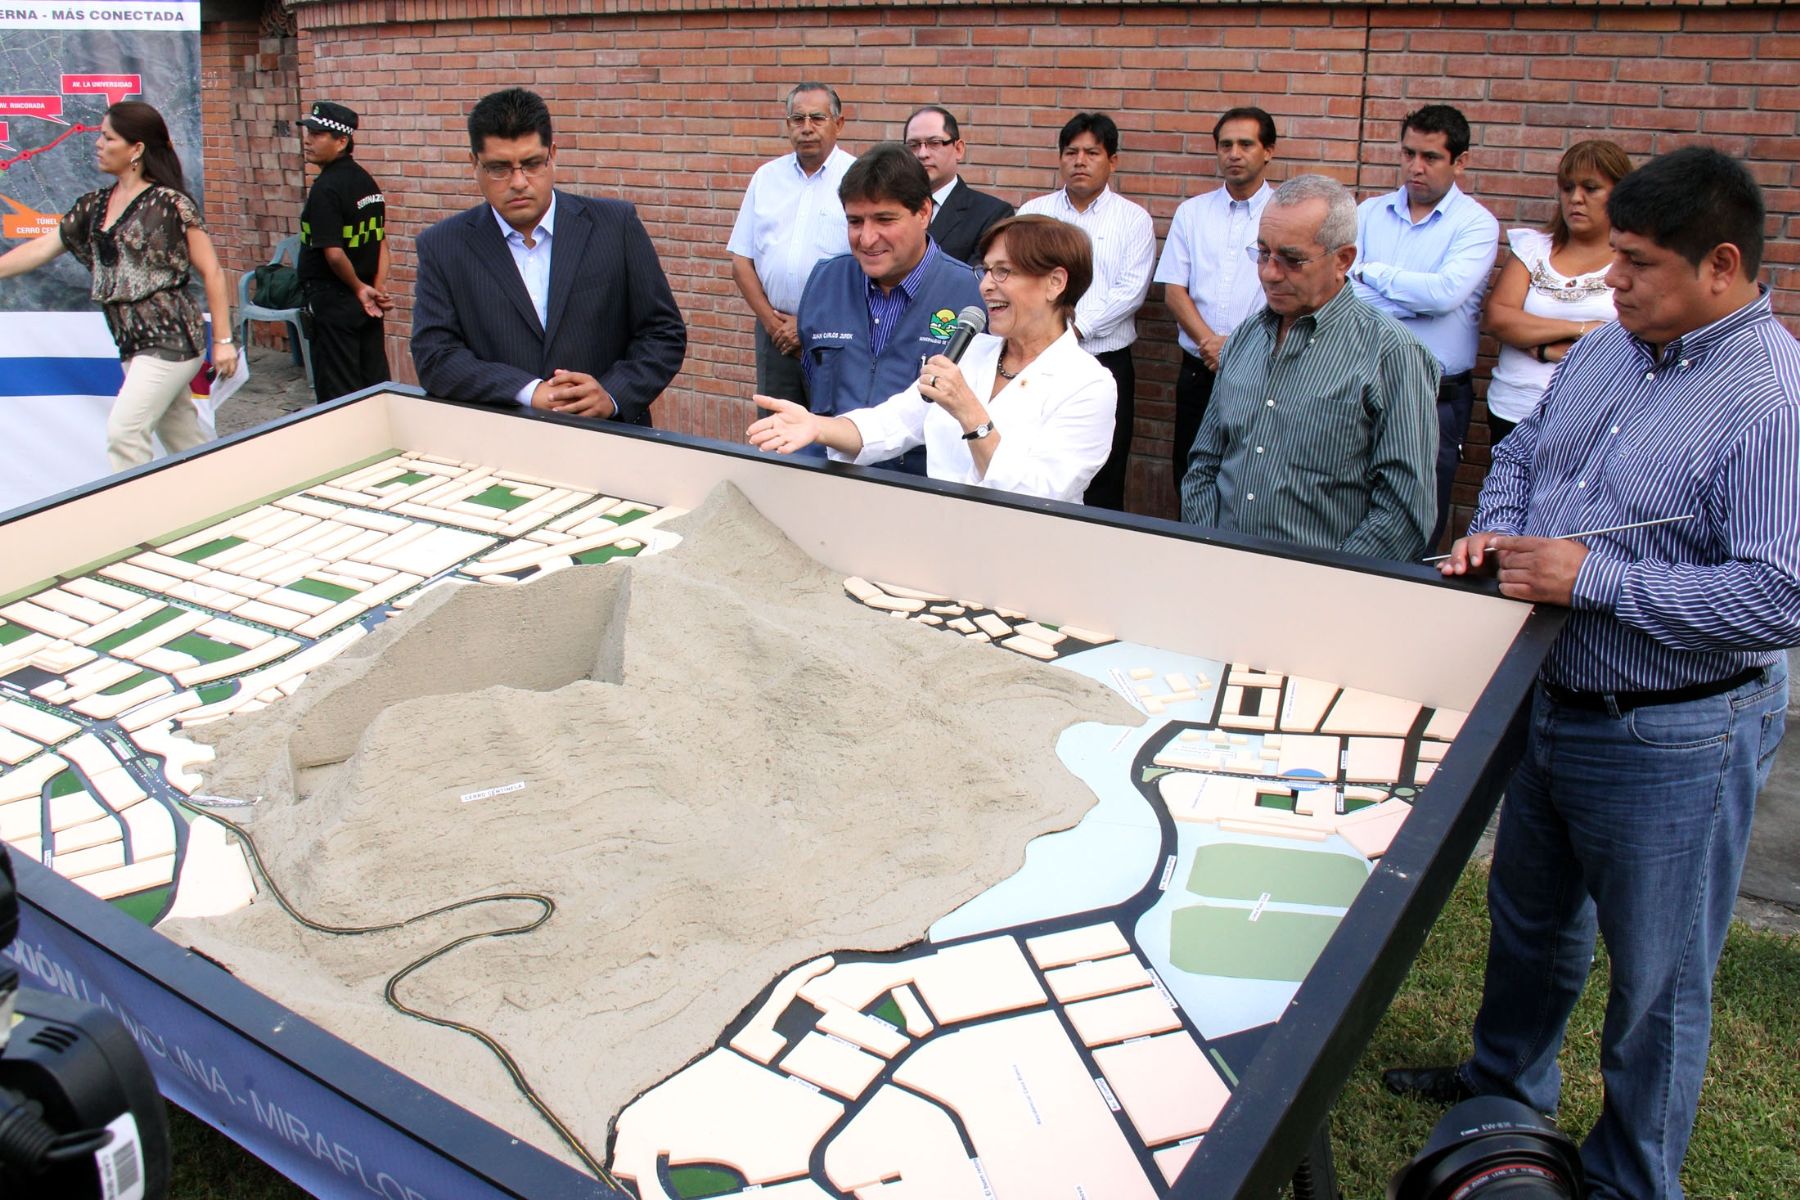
1424, 254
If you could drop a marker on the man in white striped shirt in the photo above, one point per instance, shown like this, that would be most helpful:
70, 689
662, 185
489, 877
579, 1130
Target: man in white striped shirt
1124, 240
1658, 711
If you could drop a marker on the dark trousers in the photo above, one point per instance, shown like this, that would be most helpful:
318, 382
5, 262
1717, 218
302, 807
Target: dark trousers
777, 374
1107, 489
1193, 390
1455, 400
1499, 427
348, 349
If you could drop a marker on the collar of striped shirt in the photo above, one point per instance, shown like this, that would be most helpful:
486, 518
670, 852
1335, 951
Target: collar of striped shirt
885, 308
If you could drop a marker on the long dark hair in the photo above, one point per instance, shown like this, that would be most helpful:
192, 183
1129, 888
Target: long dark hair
136, 121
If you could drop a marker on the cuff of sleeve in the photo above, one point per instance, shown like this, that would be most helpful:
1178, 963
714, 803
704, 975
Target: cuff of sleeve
1599, 583
523, 395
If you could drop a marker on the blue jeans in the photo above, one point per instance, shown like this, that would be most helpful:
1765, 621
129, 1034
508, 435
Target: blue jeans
1634, 824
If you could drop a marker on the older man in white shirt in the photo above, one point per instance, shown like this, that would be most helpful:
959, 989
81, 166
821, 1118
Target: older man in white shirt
1124, 243
1209, 280
790, 220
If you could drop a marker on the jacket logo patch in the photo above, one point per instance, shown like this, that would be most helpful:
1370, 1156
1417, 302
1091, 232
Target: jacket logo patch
943, 324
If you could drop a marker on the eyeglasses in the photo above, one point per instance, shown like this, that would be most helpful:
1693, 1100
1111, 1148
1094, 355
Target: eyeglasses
500, 172
930, 143
1001, 273
802, 120
1283, 262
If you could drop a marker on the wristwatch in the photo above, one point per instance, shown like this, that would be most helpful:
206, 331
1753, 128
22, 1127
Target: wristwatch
979, 432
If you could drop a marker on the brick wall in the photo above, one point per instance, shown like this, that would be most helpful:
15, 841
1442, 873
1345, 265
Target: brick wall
250, 96
674, 109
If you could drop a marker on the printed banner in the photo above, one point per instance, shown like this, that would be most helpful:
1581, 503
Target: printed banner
61, 65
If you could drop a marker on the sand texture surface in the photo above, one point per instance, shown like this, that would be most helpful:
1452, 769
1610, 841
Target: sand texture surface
728, 766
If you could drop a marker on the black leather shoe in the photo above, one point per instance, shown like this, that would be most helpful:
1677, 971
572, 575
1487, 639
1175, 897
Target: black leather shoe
1439, 1085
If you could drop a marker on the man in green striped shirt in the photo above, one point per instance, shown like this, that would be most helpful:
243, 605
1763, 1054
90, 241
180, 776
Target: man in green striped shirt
1323, 425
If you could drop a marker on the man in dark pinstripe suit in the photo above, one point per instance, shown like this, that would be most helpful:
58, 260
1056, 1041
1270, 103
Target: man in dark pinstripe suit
536, 297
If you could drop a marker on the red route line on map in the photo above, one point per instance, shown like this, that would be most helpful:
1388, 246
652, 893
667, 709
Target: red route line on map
25, 154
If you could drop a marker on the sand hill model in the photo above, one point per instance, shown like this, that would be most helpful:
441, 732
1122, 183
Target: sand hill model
727, 768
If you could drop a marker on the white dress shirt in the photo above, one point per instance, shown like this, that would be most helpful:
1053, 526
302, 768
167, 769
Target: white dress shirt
789, 222
1055, 423
1430, 275
1204, 253
533, 262
1124, 240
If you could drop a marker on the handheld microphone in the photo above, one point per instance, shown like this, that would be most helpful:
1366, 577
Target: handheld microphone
969, 322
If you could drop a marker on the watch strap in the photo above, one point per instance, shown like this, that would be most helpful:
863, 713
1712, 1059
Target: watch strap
979, 432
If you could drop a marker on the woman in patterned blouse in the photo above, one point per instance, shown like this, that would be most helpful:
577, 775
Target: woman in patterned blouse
1553, 288
143, 239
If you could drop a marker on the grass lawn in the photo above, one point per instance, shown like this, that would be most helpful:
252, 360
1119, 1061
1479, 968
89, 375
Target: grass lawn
1746, 1145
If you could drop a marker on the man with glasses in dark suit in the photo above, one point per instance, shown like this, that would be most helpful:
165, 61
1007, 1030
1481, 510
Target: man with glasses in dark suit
536, 297
959, 213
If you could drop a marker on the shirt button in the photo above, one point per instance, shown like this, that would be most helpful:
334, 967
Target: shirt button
1271, 403
1649, 375
1582, 484
1615, 429
1250, 495
1259, 449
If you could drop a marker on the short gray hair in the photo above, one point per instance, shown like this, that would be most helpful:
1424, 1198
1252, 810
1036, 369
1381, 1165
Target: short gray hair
1339, 228
837, 106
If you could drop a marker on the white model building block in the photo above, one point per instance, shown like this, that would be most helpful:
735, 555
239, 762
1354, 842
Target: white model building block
918, 1022
908, 1141
963, 625
44, 620
1120, 1016
268, 652
152, 830
258, 523
88, 612
877, 1037
1369, 713
587, 512
27, 782
834, 1065
76, 808
894, 604
1061, 1141
376, 521
270, 614
104, 707
906, 593
157, 710
115, 788
1445, 724
154, 581
103, 857
727, 1109
758, 1037
1042, 633
35, 723
1084, 980
15, 749
167, 632
98, 589
21, 819
61, 656
1171, 1159
14, 655
1030, 646
1167, 1085
301, 504
134, 877
101, 673
150, 560
164, 659
271, 679
977, 979
1373, 760
1077, 945
180, 756
1092, 636
993, 626
304, 602
87, 835
438, 550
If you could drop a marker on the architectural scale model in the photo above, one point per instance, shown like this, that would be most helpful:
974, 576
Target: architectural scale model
1073, 1029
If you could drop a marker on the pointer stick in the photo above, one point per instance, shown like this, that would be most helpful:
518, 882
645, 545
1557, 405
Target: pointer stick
1596, 532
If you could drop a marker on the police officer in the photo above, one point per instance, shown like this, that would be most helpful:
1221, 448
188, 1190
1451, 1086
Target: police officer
343, 257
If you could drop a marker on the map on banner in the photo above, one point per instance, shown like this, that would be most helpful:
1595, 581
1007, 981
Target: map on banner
1072, 1029
61, 65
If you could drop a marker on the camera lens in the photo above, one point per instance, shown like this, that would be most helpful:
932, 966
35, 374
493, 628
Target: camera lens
1489, 1148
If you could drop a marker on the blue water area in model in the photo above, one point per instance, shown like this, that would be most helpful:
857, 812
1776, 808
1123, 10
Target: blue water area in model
1117, 847
1298, 775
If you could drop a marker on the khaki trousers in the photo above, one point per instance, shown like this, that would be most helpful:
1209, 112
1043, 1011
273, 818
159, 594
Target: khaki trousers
156, 399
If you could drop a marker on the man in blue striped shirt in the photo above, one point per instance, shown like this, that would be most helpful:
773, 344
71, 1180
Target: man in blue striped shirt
1659, 709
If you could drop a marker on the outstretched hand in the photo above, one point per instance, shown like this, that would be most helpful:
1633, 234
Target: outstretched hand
787, 428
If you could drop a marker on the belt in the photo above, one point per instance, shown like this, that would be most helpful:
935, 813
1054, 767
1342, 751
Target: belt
1624, 702
1456, 380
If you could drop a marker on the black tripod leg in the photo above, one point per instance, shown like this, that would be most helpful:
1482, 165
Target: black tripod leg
1316, 1176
